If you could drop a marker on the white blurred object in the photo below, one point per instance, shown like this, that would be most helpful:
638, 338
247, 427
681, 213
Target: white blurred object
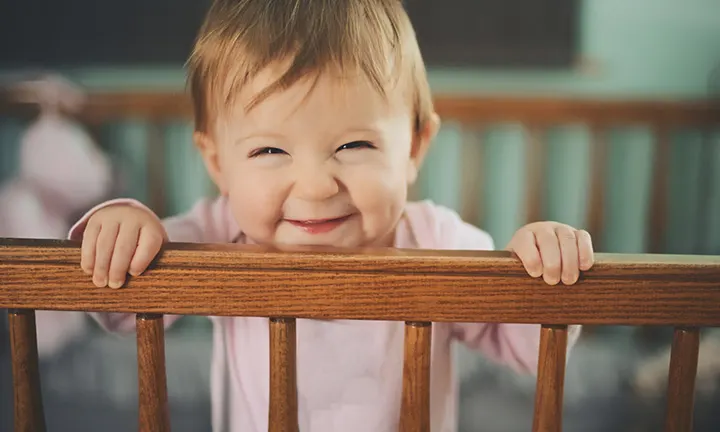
61, 172
651, 377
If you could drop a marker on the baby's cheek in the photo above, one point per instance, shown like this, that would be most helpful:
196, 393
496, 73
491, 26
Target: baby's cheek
256, 208
380, 198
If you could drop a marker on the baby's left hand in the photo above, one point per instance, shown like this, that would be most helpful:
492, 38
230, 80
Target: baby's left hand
553, 250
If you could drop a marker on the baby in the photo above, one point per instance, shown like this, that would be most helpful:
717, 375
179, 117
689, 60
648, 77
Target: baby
312, 119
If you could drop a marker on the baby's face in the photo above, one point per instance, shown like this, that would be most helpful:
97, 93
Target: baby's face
328, 164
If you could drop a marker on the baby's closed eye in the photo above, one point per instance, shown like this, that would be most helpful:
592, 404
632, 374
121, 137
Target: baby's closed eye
356, 145
357, 152
266, 151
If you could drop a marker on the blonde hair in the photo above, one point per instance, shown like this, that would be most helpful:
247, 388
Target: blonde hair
240, 38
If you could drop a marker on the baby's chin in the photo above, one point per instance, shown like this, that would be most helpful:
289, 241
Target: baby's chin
347, 242
300, 241
322, 243
349, 236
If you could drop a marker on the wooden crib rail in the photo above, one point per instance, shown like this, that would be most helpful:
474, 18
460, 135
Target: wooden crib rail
102, 107
375, 284
418, 287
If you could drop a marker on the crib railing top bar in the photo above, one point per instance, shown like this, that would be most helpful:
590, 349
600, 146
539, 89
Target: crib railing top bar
301, 258
408, 286
107, 106
362, 259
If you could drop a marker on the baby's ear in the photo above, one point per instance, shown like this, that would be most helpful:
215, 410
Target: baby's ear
421, 144
209, 150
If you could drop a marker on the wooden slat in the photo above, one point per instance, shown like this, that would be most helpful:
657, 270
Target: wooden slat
156, 186
550, 379
681, 383
707, 188
29, 416
379, 284
598, 179
536, 155
283, 409
415, 407
154, 414
660, 183
472, 175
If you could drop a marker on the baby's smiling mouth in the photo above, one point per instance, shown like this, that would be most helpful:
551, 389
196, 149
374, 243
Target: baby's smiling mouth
318, 226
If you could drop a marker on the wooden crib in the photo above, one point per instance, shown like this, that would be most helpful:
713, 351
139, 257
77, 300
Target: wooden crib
417, 287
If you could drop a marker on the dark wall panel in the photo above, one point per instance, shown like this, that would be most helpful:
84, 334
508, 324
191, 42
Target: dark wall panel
51, 33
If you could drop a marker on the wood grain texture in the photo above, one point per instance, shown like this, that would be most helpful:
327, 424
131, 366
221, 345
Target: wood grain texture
152, 383
379, 284
681, 380
415, 405
102, 107
550, 379
283, 408
28, 412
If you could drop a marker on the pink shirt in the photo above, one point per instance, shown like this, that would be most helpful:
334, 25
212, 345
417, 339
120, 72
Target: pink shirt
349, 372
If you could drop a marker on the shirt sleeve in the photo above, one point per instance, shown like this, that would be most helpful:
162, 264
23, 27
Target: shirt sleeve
514, 345
209, 221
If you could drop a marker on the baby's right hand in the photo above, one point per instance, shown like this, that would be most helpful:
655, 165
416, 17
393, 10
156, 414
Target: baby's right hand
118, 240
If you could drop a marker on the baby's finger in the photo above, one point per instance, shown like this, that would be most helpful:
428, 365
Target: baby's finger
148, 246
526, 250
569, 254
103, 253
87, 250
125, 246
549, 247
585, 249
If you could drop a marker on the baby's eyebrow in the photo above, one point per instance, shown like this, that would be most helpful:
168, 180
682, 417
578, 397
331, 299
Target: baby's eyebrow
369, 128
260, 135
366, 129
353, 134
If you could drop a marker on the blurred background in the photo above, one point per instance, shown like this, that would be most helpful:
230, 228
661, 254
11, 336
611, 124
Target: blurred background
598, 113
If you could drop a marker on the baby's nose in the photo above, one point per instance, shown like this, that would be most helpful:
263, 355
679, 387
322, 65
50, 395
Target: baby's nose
315, 185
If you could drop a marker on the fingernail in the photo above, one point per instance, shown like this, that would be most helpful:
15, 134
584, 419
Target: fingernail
115, 284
